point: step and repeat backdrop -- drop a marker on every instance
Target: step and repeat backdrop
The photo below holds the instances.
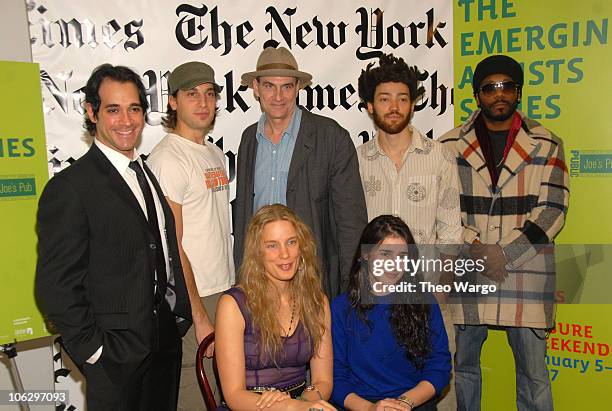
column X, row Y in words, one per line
column 333, row 41
column 562, row 45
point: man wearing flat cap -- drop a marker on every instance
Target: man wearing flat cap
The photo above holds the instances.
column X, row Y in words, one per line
column 514, row 201
column 191, row 172
column 303, row 160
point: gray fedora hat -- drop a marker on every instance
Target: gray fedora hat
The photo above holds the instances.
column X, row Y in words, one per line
column 276, row 63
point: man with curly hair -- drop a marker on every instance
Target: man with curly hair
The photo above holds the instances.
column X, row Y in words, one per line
column 405, row 173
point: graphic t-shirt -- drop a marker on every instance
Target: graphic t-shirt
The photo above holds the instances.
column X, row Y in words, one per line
column 194, row 176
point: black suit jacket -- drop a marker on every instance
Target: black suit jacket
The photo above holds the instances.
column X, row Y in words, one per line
column 96, row 265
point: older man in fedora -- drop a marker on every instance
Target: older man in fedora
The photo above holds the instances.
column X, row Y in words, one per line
column 303, row 160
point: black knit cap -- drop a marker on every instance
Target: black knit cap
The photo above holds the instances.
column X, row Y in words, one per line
column 498, row 64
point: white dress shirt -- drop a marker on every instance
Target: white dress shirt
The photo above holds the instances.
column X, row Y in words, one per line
column 122, row 163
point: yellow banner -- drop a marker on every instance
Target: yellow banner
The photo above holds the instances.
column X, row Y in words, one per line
column 23, row 174
column 563, row 48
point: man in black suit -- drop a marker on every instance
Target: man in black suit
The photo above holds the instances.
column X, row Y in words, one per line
column 108, row 276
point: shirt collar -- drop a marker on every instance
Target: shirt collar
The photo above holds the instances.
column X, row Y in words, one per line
column 182, row 140
column 291, row 128
column 118, row 160
column 415, row 145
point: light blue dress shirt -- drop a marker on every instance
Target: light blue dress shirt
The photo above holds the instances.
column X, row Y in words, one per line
column 272, row 163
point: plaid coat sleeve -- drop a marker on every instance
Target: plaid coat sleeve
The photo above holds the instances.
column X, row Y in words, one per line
column 546, row 219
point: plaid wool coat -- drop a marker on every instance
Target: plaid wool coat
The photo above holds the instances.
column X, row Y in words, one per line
column 526, row 209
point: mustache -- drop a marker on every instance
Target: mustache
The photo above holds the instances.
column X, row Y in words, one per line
column 501, row 100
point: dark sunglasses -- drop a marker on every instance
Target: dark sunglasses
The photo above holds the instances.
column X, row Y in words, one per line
column 506, row 87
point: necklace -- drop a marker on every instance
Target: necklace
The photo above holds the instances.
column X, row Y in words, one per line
column 291, row 321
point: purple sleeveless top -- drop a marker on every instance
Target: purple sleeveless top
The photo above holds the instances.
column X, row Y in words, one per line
column 291, row 362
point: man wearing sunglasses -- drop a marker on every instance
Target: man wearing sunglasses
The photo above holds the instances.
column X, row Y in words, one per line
column 514, row 201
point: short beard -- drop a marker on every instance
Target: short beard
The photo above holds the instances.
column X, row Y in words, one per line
column 488, row 113
column 391, row 129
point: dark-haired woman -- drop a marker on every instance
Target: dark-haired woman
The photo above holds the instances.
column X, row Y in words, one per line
column 386, row 356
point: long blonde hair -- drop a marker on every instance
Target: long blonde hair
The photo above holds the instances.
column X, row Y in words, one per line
column 305, row 287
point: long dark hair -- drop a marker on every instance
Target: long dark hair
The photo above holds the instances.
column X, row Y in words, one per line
column 409, row 322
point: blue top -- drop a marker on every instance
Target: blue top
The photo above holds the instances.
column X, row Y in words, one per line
column 272, row 163
column 372, row 364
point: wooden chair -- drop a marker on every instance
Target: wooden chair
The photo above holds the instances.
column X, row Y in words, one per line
column 207, row 392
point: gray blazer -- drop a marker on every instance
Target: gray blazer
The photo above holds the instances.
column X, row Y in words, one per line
column 323, row 188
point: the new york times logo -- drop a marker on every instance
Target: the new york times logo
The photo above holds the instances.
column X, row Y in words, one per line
column 199, row 27
column 68, row 31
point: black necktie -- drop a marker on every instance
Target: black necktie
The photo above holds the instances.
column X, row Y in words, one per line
column 162, row 280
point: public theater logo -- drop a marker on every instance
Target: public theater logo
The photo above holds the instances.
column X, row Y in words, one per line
column 591, row 163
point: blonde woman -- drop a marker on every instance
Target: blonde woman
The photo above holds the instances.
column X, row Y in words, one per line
column 275, row 324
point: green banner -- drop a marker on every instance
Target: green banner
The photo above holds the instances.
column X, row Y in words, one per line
column 563, row 48
column 23, row 174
